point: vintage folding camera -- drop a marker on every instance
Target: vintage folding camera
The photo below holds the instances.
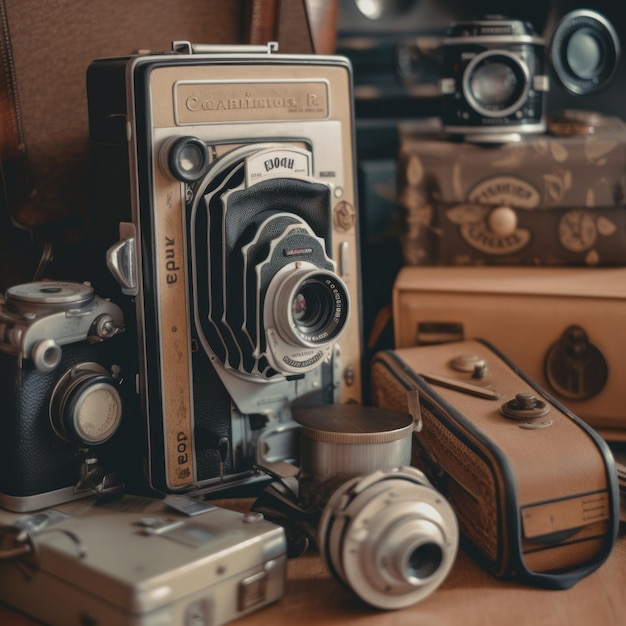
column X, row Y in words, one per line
column 493, row 79
column 139, row 561
column 533, row 487
column 230, row 175
column 63, row 390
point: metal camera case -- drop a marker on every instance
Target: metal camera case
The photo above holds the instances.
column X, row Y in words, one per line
column 231, row 172
column 493, row 79
column 140, row 561
column 62, row 367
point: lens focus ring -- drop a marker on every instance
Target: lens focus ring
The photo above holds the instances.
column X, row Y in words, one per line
column 584, row 51
column 311, row 307
column 496, row 83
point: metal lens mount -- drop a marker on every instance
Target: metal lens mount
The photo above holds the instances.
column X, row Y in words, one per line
column 86, row 407
column 584, row 51
column 496, row 83
column 311, row 307
column 390, row 537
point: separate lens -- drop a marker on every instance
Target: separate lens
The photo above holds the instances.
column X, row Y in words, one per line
column 389, row 536
column 584, row 54
column 496, row 83
column 424, row 561
column 584, row 51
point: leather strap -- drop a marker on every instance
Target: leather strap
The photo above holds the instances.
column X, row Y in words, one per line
column 17, row 190
column 262, row 21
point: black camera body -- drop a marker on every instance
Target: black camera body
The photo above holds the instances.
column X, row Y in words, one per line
column 493, row 79
column 224, row 182
column 62, row 380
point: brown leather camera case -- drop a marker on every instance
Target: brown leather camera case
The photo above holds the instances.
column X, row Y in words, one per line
column 536, row 496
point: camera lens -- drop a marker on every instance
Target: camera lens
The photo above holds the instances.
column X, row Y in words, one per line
column 584, row 51
column 311, row 307
column 496, row 84
column 584, row 54
column 493, row 84
column 389, row 536
column 424, row 561
column 86, row 406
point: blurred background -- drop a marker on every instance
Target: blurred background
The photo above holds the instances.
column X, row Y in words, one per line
column 395, row 49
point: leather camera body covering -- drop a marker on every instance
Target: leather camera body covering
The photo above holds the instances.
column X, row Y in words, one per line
column 534, row 488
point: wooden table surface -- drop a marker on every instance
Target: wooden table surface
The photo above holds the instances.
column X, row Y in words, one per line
column 468, row 597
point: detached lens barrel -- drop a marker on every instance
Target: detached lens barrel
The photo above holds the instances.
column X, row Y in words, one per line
column 585, row 51
column 390, row 537
column 384, row 531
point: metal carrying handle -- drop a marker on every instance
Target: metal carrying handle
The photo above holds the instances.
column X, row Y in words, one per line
column 24, row 550
column 186, row 47
column 23, row 544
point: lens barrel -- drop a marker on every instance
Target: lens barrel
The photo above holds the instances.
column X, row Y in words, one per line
column 390, row 537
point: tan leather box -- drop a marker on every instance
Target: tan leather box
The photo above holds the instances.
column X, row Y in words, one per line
column 564, row 327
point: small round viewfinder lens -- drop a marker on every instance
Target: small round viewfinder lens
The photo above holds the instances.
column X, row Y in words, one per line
column 187, row 159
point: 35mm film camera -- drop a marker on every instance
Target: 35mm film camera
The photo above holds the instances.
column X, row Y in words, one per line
column 230, row 175
column 64, row 394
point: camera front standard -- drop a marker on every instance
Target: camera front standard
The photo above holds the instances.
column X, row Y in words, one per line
column 237, row 248
column 493, row 80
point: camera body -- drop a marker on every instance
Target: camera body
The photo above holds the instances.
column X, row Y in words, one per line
column 225, row 181
column 493, row 79
column 62, row 368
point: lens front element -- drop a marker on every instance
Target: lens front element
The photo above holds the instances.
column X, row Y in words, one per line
column 390, row 537
column 496, row 83
column 306, row 311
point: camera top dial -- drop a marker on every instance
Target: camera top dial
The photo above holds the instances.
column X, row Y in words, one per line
column 49, row 293
column 38, row 318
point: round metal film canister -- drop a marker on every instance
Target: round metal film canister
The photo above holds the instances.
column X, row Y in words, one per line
column 346, row 440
